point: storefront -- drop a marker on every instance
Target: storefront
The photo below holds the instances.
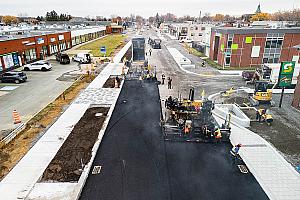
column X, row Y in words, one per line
column 10, row 61
column 85, row 35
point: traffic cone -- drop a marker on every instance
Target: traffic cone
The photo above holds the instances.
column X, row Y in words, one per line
column 16, row 116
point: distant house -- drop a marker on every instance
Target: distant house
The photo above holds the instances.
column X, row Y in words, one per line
column 77, row 19
column 114, row 28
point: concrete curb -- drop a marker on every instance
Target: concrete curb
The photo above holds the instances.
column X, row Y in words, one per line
column 201, row 75
column 239, row 117
column 80, row 184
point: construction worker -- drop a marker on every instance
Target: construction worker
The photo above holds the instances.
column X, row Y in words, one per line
column 169, row 83
column 268, row 119
column 259, row 113
column 117, row 82
column 235, row 152
column 150, row 52
column 163, row 79
column 186, row 129
column 218, row 135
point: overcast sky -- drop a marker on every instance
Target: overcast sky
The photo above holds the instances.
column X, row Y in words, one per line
column 144, row 8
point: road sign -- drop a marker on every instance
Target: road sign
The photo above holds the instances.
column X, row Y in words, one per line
column 285, row 76
column 103, row 49
column 286, row 73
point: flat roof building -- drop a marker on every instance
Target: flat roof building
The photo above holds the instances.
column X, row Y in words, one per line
column 22, row 45
column 251, row 47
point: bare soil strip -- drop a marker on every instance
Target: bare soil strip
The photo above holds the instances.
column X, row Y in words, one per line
column 76, row 151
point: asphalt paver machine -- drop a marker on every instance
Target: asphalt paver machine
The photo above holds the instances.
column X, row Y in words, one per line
column 192, row 120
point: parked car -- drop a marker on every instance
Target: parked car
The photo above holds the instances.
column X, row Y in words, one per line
column 84, row 58
column 13, row 77
column 39, row 65
column 185, row 40
column 62, row 58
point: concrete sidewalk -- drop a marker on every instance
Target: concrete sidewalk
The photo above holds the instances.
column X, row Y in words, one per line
column 276, row 176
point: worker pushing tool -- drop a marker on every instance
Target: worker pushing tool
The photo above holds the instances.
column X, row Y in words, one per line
column 263, row 116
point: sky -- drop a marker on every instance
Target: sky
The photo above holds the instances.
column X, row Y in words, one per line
column 144, row 8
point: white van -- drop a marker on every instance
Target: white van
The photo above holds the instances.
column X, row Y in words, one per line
column 82, row 58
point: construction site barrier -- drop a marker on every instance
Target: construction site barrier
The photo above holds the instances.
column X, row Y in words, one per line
column 7, row 139
column 237, row 115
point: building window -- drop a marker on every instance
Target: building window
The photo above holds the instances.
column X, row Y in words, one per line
column 227, row 60
column 196, row 28
column 273, row 47
column 192, row 34
column 30, row 55
column 202, row 28
column 229, row 40
column 200, row 34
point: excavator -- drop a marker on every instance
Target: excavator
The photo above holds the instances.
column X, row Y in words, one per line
column 262, row 93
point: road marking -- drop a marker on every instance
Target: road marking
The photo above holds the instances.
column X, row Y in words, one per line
column 8, row 88
column 96, row 169
column 243, row 169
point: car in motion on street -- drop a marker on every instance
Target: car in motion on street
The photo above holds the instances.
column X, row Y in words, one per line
column 13, row 77
column 38, row 65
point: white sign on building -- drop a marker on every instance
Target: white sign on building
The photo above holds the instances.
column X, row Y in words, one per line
column 61, row 37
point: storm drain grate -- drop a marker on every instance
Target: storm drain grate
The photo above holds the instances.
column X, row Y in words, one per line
column 96, row 170
column 243, row 169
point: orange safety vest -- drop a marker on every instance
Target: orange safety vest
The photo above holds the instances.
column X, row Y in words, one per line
column 218, row 134
column 186, row 130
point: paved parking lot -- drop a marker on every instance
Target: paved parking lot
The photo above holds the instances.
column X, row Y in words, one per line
column 30, row 97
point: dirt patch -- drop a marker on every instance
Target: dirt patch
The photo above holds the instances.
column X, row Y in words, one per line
column 77, row 149
column 110, row 82
column 238, row 100
column 282, row 135
column 15, row 150
column 251, row 113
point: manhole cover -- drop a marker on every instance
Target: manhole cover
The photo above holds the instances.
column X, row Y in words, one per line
column 243, row 169
column 96, row 170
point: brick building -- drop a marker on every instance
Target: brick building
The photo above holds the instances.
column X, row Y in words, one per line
column 114, row 28
column 21, row 47
column 251, row 47
column 17, row 50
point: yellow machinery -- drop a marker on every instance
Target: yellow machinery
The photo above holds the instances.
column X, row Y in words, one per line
column 264, row 116
column 262, row 93
column 228, row 93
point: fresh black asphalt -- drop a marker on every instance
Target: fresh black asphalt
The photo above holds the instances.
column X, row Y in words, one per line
column 138, row 165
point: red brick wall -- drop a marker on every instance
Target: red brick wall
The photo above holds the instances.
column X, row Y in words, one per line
column 15, row 45
column 242, row 56
column 287, row 51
